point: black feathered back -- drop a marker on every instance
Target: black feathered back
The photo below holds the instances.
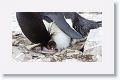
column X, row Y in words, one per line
column 33, row 27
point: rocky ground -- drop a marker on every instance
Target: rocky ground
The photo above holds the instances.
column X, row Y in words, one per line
column 92, row 53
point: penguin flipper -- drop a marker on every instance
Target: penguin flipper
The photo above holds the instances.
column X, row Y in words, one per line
column 59, row 20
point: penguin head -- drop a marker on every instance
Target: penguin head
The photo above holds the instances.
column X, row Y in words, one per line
column 51, row 45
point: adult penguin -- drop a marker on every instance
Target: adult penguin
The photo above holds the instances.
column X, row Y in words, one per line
column 32, row 25
column 83, row 26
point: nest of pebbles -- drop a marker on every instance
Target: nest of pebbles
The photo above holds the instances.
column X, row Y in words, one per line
column 22, row 54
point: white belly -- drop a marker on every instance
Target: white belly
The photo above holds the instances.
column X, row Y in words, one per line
column 61, row 39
